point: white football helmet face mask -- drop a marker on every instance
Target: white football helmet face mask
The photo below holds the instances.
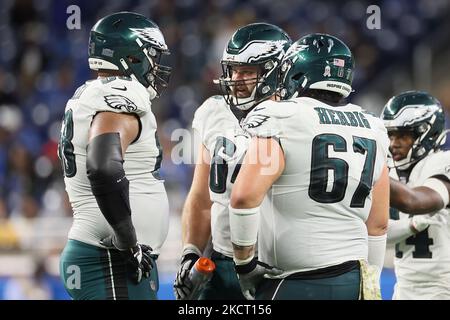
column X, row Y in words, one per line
column 258, row 45
column 238, row 85
column 244, row 103
column 404, row 163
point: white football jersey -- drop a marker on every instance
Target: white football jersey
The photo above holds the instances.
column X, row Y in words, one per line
column 148, row 198
column 422, row 261
column 333, row 157
column 227, row 143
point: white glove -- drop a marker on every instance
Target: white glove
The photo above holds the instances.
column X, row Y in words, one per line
column 182, row 286
column 421, row 222
column 251, row 274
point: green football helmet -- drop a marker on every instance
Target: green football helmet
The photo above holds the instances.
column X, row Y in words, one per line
column 422, row 115
column 133, row 44
column 257, row 44
column 317, row 61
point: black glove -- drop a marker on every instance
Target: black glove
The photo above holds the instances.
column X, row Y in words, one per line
column 251, row 274
column 138, row 257
column 183, row 286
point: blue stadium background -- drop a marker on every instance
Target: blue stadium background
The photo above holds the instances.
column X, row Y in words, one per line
column 42, row 62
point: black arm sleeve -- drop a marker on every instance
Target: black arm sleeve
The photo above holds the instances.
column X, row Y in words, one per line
column 104, row 165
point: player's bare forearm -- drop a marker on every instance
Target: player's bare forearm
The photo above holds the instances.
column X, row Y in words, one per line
column 419, row 200
column 399, row 195
column 196, row 221
column 196, row 216
column 243, row 252
column 263, row 165
column 377, row 222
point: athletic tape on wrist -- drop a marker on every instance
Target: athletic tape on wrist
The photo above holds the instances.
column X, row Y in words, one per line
column 191, row 248
column 244, row 224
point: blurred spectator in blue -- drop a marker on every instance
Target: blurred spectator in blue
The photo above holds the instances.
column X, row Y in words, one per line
column 35, row 288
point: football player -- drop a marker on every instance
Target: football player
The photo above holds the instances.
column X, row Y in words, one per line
column 327, row 182
column 111, row 157
column 250, row 67
column 420, row 188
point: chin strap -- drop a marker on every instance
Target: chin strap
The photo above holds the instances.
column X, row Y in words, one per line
column 150, row 90
column 404, row 163
column 244, row 103
column 442, row 138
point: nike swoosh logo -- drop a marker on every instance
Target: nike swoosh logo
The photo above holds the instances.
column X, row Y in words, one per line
column 257, row 109
column 121, row 89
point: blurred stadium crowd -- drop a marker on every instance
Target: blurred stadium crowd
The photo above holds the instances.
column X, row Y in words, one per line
column 42, row 63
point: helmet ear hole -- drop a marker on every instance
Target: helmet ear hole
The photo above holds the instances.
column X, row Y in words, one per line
column 133, row 60
column 298, row 76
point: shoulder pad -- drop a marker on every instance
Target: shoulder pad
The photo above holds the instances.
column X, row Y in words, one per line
column 120, row 95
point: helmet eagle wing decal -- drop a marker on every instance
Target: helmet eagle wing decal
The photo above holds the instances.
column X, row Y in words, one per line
column 151, row 35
